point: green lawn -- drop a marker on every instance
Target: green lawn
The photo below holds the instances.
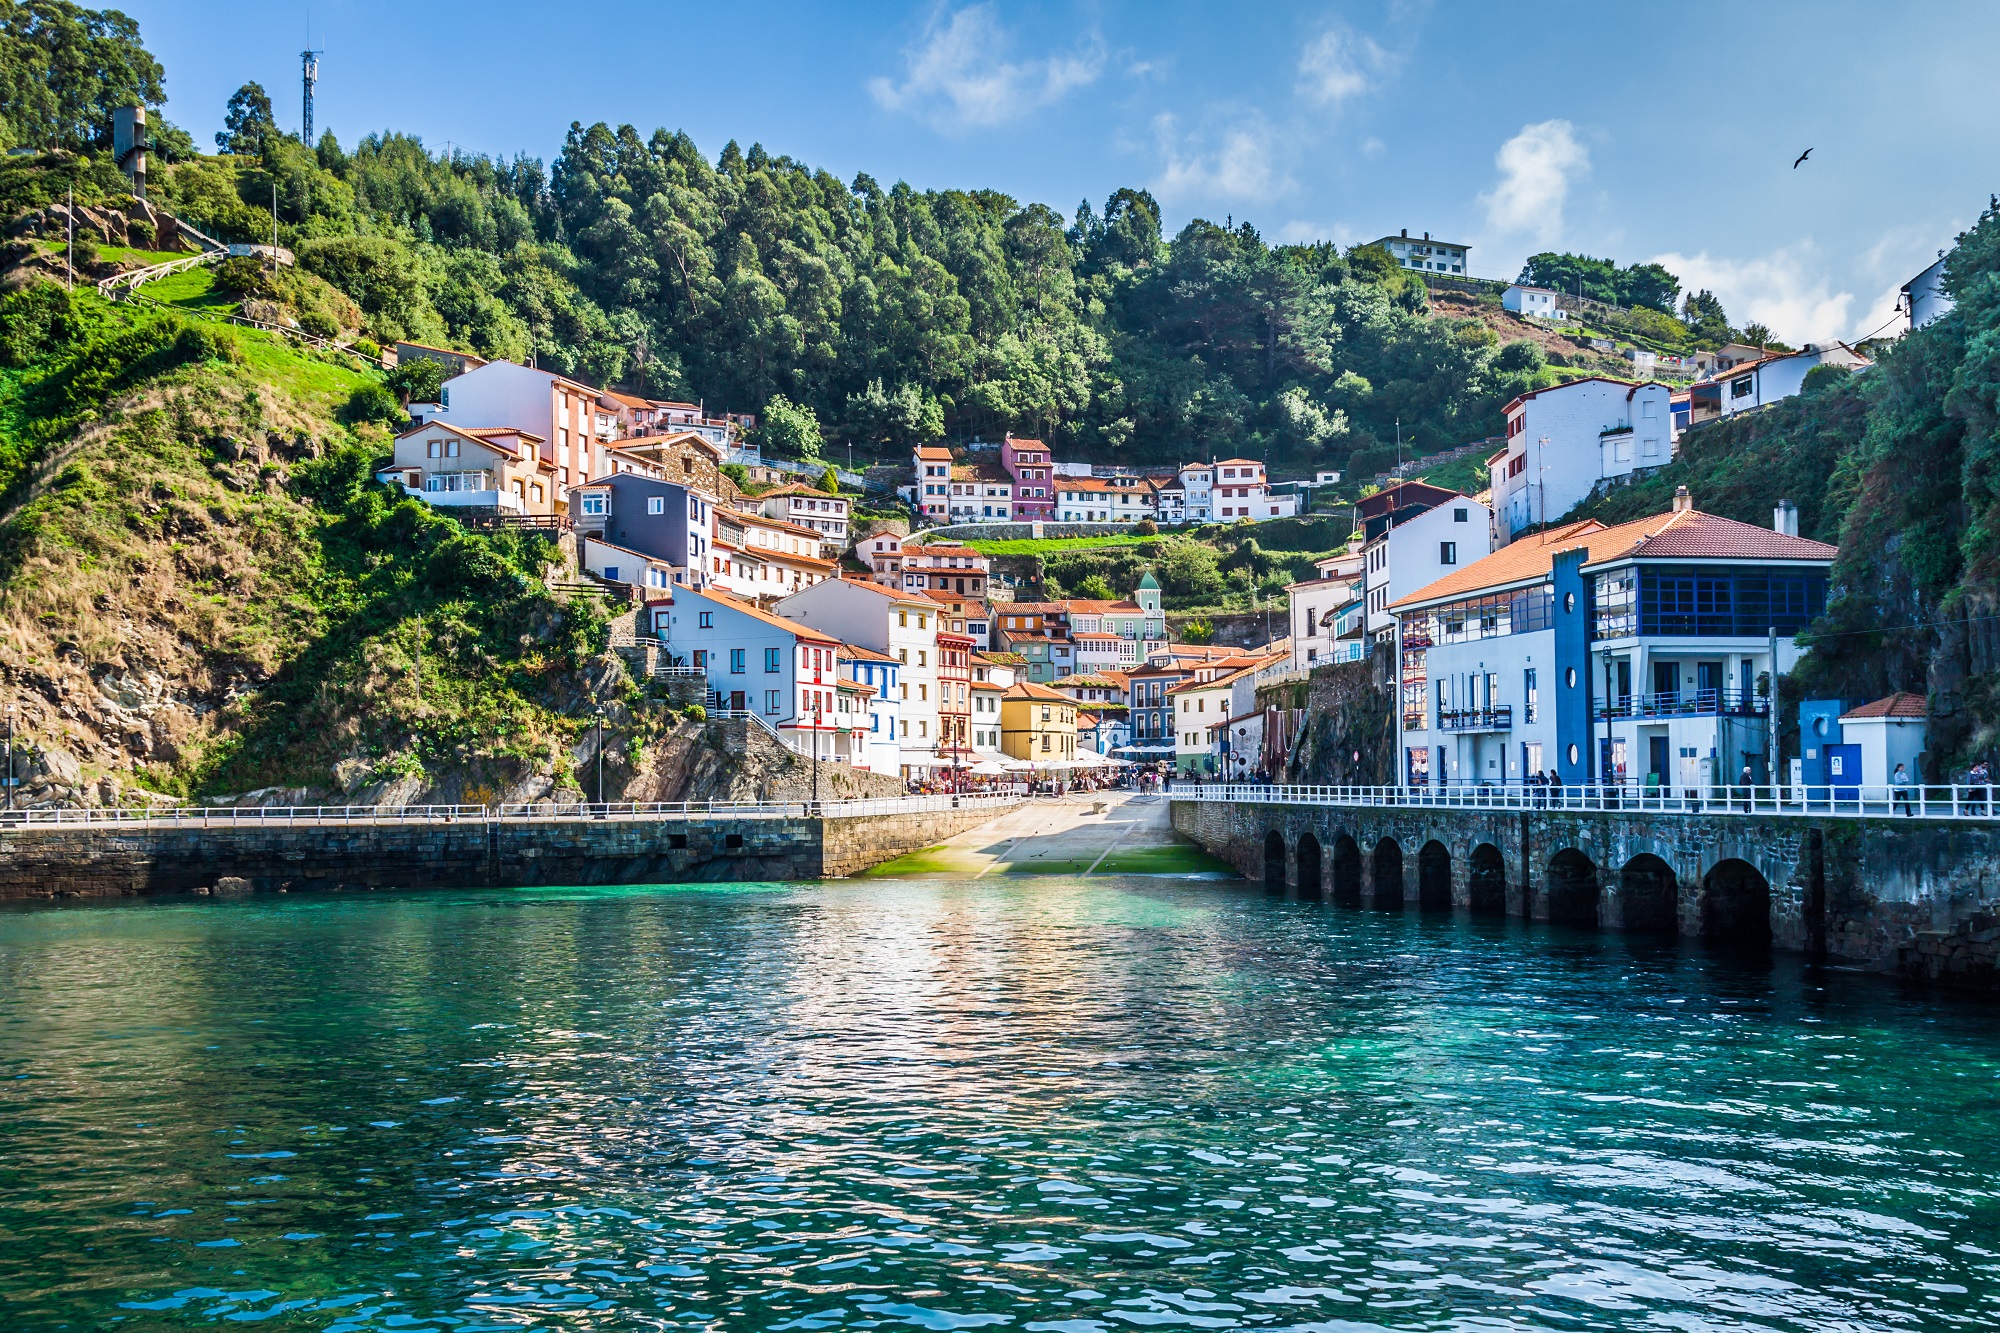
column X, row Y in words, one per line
column 112, row 254
column 191, row 287
column 318, row 379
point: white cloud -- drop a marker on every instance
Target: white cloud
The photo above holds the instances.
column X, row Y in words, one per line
column 1239, row 165
column 1786, row 290
column 1339, row 64
column 954, row 77
column 1537, row 167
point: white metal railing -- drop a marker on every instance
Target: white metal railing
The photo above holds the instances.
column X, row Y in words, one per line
column 229, row 816
column 1914, row 801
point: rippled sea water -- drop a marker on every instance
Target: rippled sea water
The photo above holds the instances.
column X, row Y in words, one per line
column 1039, row 1104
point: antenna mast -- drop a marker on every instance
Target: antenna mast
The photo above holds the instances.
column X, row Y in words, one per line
column 309, row 67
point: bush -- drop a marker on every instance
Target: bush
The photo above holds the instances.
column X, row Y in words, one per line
column 695, row 713
column 1145, row 527
column 246, row 277
column 318, row 324
column 372, row 402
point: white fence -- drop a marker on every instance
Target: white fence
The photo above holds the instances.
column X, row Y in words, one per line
column 230, row 816
column 1914, row 801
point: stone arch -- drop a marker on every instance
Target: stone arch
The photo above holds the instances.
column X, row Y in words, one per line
column 1310, row 883
column 1434, row 877
column 1572, row 888
column 1736, row 907
column 1649, row 896
column 1274, row 861
column 1388, row 873
column 1346, row 871
column 1489, row 880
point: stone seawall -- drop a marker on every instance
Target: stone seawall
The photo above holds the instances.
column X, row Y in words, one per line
column 94, row 862
column 1921, row 899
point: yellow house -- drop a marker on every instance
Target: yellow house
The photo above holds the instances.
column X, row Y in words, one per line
column 1038, row 724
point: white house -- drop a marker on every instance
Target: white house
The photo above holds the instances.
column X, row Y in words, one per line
column 1631, row 654
column 1426, row 254
column 1565, row 441
column 807, row 507
column 1170, row 498
column 1241, row 490
column 1887, row 732
column 1924, row 298
column 1418, row 548
column 785, row 672
column 754, row 556
column 1115, row 499
column 903, row 626
column 1768, row 379
column 1328, row 616
column 577, row 424
column 881, row 750
column 1197, row 487
column 942, row 567
column 1532, row 302
column 933, row 493
column 981, row 493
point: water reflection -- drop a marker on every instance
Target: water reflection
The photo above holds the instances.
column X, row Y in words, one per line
column 1048, row 1105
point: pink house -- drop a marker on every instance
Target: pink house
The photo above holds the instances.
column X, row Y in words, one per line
column 1033, row 471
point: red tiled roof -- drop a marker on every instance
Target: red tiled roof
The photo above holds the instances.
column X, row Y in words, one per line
column 1686, row 534
column 1901, row 706
column 933, row 452
column 751, row 609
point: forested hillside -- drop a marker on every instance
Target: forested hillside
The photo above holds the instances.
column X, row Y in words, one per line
column 1901, row 466
column 893, row 314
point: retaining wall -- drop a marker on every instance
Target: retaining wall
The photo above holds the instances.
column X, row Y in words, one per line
column 76, row 861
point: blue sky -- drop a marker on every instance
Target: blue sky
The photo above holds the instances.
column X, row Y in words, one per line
column 1635, row 131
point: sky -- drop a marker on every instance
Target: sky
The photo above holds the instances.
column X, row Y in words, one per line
column 1634, row 132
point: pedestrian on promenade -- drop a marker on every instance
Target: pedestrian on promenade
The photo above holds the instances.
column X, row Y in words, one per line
column 1979, row 779
column 1901, row 779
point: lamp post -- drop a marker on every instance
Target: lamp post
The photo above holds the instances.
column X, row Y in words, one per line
column 10, row 755
column 1604, row 754
column 816, row 719
column 598, row 717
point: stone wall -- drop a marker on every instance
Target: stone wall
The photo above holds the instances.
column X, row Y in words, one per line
column 52, row 861
column 1885, row 894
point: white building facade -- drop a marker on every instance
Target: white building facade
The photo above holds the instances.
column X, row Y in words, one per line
column 1419, row 551
column 901, row 626
column 1564, row 442
column 1638, row 654
column 1531, row 302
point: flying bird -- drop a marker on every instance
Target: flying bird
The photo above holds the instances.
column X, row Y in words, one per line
column 1802, row 157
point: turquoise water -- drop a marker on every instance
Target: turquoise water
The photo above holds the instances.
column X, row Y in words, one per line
column 1048, row 1105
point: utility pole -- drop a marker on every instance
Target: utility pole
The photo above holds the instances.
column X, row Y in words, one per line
column 418, row 674
column 816, row 717
column 10, row 754
column 274, row 224
column 1771, row 714
column 69, row 233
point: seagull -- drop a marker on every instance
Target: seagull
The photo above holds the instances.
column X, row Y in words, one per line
column 1802, row 157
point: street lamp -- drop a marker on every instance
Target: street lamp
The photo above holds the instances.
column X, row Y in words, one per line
column 816, row 720
column 10, row 755
column 599, row 717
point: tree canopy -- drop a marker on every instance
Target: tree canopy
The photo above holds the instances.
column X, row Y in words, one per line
column 1602, row 280
column 64, row 69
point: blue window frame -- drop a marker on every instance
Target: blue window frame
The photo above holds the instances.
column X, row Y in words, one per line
column 735, row 661
column 773, row 660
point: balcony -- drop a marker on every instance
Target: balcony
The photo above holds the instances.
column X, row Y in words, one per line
column 1687, row 703
column 1498, row 718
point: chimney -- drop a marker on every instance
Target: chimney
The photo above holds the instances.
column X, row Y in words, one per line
column 1406, row 233
column 1785, row 519
column 1683, row 502
column 128, row 145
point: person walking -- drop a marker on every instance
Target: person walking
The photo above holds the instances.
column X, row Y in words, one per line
column 1979, row 779
column 1901, row 779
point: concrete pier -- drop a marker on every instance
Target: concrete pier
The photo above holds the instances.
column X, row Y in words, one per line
column 1921, row 898
column 109, row 860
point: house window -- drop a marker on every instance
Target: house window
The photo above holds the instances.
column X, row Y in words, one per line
column 772, row 660
column 656, row 504
column 593, row 505
column 611, row 573
column 1447, row 553
column 1458, row 515
column 707, row 620
column 771, row 703
column 701, row 659
column 736, row 661
column 1740, row 388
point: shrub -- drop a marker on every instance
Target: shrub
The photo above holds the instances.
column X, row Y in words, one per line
column 245, row 276
column 372, row 402
column 319, row 325
column 695, row 713
column 1145, row 527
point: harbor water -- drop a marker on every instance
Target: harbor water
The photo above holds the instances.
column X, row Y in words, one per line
column 1012, row 1102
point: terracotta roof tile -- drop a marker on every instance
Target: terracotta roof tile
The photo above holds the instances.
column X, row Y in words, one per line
column 1900, row 707
column 1686, row 535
